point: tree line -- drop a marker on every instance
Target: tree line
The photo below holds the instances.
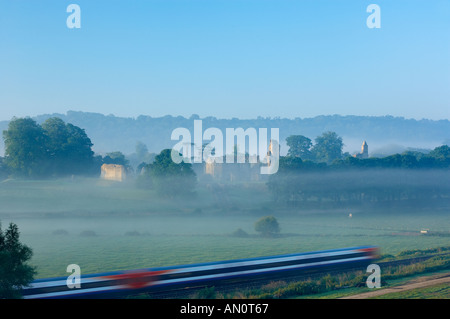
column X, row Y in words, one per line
column 327, row 148
column 320, row 173
column 58, row 149
column 111, row 132
column 327, row 153
column 53, row 149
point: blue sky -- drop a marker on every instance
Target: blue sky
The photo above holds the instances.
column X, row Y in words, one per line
column 226, row 58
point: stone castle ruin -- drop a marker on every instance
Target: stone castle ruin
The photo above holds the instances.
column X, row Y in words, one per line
column 113, row 172
column 364, row 151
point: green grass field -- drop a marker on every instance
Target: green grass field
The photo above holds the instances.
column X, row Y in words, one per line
column 135, row 229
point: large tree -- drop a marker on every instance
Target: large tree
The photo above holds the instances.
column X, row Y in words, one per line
column 3, row 169
column 26, row 148
column 69, row 148
column 328, row 147
column 51, row 149
column 15, row 273
column 79, row 149
column 267, row 226
column 169, row 178
column 299, row 146
column 116, row 157
column 441, row 153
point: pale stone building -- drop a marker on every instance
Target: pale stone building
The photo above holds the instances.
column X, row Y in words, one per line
column 113, row 172
column 364, row 151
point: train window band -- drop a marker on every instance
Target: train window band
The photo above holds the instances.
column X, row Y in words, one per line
column 258, row 266
column 98, row 285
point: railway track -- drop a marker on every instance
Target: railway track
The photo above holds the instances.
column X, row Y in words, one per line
column 183, row 281
column 188, row 292
column 174, row 281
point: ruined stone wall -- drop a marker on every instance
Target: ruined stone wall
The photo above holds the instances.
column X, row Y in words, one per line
column 113, row 172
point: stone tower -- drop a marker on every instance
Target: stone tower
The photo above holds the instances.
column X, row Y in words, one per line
column 364, row 150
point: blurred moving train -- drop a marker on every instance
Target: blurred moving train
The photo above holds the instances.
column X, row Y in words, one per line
column 123, row 283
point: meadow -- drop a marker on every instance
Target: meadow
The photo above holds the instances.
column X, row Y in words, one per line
column 107, row 226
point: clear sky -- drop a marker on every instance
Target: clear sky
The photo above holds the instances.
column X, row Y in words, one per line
column 226, row 58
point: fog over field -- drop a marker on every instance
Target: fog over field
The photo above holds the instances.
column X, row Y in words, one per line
column 162, row 133
column 105, row 226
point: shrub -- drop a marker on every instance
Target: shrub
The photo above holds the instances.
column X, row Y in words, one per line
column 240, row 233
column 88, row 233
column 132, row 233
column 60, row 232
column 267, row 226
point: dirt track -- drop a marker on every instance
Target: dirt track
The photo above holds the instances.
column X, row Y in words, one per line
column 421, row 282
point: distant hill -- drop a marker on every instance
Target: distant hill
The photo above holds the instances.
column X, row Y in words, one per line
column 384, row 134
